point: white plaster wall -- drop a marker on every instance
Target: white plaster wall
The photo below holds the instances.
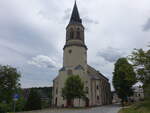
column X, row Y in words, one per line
column 76, row 57
column 60, row 81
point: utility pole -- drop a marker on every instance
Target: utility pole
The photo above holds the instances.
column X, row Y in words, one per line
column 14, row 106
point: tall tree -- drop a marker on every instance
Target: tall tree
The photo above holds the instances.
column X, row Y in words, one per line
column 141, row 63
column 33, row 101
column 74, row 88
column 9, row 83
column 124, row 78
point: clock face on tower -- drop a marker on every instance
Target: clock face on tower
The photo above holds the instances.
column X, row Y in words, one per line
column 70, row 51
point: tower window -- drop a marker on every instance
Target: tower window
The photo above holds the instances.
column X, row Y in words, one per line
column 78, row 34
column 71, row 34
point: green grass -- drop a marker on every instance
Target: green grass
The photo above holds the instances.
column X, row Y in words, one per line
column 141, row 107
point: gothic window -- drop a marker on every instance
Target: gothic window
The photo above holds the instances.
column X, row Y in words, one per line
column 71, row 34
column 69, row 72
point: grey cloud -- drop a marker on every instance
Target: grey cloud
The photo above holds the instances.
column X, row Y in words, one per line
column 67, row 14
column 24, row 39
column 32, row 28
column 44, row 61
column 110, row 54
column 37, row 76
column 85, row 19
column 146, row 26
column 88, row 20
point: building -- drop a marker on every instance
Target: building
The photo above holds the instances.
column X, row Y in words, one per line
column 115, row 98
column 138, row 93
column 75, row 63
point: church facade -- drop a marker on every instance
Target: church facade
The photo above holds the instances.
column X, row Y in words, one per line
column 75, row 63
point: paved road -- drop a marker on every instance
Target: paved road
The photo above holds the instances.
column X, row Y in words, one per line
column 102, row 109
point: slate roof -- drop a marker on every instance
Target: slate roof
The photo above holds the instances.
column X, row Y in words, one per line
column 75, row 17
column 94, row 74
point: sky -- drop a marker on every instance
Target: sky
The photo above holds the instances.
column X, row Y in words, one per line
column 32, row 34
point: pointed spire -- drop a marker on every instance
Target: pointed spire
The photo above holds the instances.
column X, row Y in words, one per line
column 75, row 17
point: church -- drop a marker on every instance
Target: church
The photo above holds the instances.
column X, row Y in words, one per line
column 75, row 63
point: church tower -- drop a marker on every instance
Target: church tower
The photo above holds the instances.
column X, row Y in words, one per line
column 96, row 85
column 75, row 50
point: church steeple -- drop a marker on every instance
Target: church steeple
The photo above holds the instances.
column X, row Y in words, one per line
column 75, row 30
column 75, row 17
column 75, row 50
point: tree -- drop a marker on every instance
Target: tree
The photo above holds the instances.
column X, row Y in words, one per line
column 33, row 101
column 9, row 84
column 141, row 63
column 124, row 78
column 74, row 88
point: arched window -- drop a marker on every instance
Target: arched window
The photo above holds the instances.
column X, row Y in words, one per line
column 67, row 35
column 78, row 34
column 71, row 33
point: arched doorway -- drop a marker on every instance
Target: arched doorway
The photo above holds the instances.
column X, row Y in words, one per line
column 86, row 102
column 56, row 101
column 69, row 103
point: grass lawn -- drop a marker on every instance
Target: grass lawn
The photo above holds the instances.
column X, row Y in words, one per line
column 141, row 107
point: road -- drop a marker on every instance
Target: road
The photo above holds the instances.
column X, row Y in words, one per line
column 102, row 109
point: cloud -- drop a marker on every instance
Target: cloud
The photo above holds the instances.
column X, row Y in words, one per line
column 146, row 26
column 44, row 62
column 32, row 34
column 88, row 20
column 85, row 19
column 67, row 14
column 110, row 54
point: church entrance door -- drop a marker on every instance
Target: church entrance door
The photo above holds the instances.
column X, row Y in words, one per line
column 86, row 102
column 56, row 102
column 69, row 103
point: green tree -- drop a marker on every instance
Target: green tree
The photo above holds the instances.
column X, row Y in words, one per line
column 33, row 101
column 124, row 78
column 9, row 84
column 20, row 103
column 74, row 88
column 141, row 63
